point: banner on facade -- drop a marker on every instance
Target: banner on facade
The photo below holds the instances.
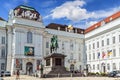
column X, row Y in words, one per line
column 19, row 64
column 29, row 51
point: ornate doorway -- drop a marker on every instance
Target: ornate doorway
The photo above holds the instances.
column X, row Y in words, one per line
column 29, row 68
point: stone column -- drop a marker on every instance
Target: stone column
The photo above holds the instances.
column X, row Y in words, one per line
column 13, row 51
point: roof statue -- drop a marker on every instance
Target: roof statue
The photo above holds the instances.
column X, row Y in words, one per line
column 27, row 12
column 70, row 27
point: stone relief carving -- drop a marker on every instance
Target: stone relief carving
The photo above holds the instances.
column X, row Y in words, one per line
column 33, row 15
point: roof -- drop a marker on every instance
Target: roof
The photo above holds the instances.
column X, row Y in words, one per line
column 26, row 7
column 2, row 19
column 55, row 55
column 63, row 28
column 106, row 20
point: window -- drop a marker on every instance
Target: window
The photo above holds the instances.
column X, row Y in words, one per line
column 89, row 56
column 89, row 47
column 79, row 47
column 107, row 41
column 3, row 40
column 97, row 66
column 93, row 56
column 102, row 42
column 2, row 66
column 113, row 39
column 114, row 66
column 93, row 45
column 71, row 46
column 108, row 66
column 119, row 51
column 47, row 44
column 63, row 45
column 3, row 52
column 71, row 56
column 29, row 37
column 93, row 67
column 79, row 57
column 114, row 53
column 119, row 38
column 97, row 44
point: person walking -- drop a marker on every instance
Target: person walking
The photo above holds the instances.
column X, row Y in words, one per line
column 18, row 75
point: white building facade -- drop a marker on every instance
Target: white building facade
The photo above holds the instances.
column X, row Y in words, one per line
column 2, row 44
column 27, row 42
column 102, row 42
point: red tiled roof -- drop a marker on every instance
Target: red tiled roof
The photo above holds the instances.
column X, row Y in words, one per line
column 106, row 20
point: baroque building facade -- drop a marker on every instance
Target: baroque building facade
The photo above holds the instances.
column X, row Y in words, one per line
column 25, row 42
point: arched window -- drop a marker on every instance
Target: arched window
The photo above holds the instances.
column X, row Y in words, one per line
column 29, row 37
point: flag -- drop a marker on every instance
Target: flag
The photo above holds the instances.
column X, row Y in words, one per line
column 109, row 52
column 103, row 54
column 98, row 55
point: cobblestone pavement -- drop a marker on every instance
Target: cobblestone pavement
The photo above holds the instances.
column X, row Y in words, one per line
column 24, row 77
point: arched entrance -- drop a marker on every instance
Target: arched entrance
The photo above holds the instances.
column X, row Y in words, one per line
column 29, row 68
column 72, row 68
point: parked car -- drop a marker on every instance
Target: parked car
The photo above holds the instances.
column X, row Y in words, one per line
column 7, row 73
column 1, row 73
column 113, row 74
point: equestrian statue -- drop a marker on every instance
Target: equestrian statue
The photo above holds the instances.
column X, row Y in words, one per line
column 54, row 44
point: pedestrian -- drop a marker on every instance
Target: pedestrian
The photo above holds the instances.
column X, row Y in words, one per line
column 18, row 75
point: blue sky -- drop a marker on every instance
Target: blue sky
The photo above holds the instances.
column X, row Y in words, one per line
column 79, row 13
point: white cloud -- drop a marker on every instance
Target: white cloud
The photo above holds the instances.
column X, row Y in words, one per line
column 74, row 11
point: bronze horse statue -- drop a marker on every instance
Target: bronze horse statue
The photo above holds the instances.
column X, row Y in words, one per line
column 54, row 43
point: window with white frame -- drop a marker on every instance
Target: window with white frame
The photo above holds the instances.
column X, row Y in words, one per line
column 93, row 45
column 102, row 42
column 119, row 38
column 108, row 66
column 71, row 46
column 2, row 66
column 114, row 52
column 97, row 44
column 79, row 57
column 79, row 47
column 119, row 51
column 3, row 40
column 93, row 67
column 47, row 44
column 29, row 37
column 113, row 40
column 3, row 52
column 89, row 46
column 63, row 45
column 71, row 56
column 89, row 56
column 114, row 66
column 108, row 41
column 97, row 66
